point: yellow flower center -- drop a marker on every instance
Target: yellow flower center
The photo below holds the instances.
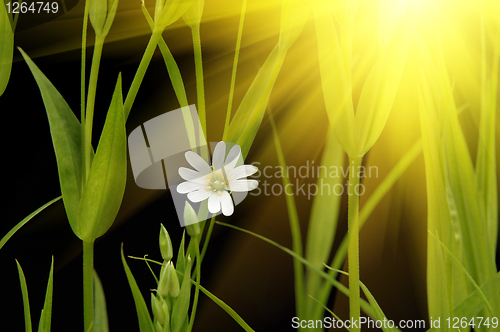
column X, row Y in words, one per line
column 216, row 182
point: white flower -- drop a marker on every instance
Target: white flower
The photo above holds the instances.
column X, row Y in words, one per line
column 217, row 182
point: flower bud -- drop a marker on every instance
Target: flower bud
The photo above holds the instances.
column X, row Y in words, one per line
column 166, row 249
column 157, row 307
column 169, row 282
column 191, row 220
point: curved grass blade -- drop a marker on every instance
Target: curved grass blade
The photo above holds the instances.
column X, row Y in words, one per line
column 46, row 316
column 364, row 305
column 25, row 220
column 100, row 311
column 6, row 47
column 26, row 302
column 65, row 130
column 474, row 303
column 145, row 323
column 323, row 222
column 103, row 191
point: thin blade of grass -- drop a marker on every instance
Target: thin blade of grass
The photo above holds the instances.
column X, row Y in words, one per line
column 181, row 305
column 26, row 302
column 294, row 224
column 323, row 221
column 46, row 316
column 65, row 130
column 145, row 323
column 343, row 289
column 103, row 191
column 100, row 311
column 6, row 47
column 327, row 309
column 474, row 303
column 25, row 220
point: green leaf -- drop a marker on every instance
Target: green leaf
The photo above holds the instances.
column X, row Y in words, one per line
column 335, row 80
column 474, row 303
column 181, row 304
column 103, row 192
column 172, row 11
column 26, row 302
column 6, row 48
column 46, row 316
column 248, row 117
column 192, row 16
column 324, row 218
column 145, row 323
column 98, row 10
column 113, row 5
column 65, row 130
column 381, row 86
column 181, row 257
column 294, row 14
column 100, row 311
column 25, row 220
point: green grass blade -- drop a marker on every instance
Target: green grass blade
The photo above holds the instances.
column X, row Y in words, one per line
column 323, row 220
column 103, row 192
column 181, row 305
column 335, row 78
column 6, row 47
column 466, row 273
column 343, row 289
column 26, row 302
column 248, row 117
column 25, row 220
column 294, row 224
column 237, row 318
column 66, row 137
column 145, row 323
column 327, row 309
column 474, row 303
column 381, row 86
column 379, row 314
column 46, row 316
column 293, row 18
column 100, row 311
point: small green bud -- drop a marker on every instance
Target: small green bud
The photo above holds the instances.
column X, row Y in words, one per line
column 158, row 327
column 157, row 307
column 191, row 220
column 165, row 245
column 169, row 282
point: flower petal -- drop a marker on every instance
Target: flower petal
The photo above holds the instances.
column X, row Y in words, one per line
column 241, row 172
column 214, row 203
column 198, row 163
column 243, row 185
column 232, row 157
column 187, row 186
column 227, row 204
column 191, row 175
column 218, row 156
column 199, row 195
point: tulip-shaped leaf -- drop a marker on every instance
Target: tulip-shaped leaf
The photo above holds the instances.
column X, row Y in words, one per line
column 46, row 316
column 172, row 11
column 250, row 113
column 98, row 10
column 65, row 130
column 294, row 14
column 381, row 86
column 181, row 304
column 192, row 17
column 335, row 79
column 103, row 191
column 6, row 48
column 112, row 7
column 145, row 323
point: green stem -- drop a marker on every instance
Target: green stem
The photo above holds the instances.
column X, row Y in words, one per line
column 141, row 71
column 200, row 86
column 353, row 233
column 207, row 238
column 88, row 285
column 198, row 281
column 89, row 117
column 82, row 84
column 235, row 66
